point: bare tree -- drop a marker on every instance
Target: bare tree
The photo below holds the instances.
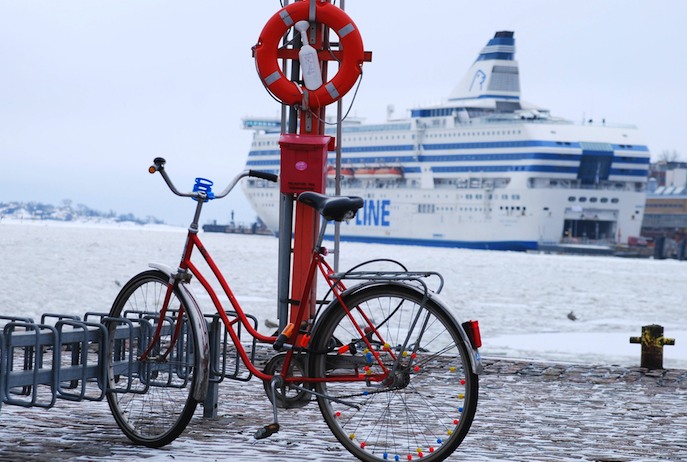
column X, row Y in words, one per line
column 669, row 156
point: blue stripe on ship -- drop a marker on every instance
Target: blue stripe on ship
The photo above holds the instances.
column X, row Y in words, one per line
column 393, row 147
column 519, row 246
column 521, row 144
column 472, row 157
column 468, row 145
column 572, row 170
column 533, row 168
column 522, row 156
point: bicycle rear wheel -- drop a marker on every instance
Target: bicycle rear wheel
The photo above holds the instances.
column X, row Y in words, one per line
column 424, row 406
column 151, row 400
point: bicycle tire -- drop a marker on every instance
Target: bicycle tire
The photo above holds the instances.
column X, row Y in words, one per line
column 422, row 411
column 151, row 401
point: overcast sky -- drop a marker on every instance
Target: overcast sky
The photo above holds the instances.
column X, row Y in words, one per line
column 91, row 91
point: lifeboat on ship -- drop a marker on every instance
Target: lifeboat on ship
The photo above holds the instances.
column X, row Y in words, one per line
column 346, row 173
column 387, row 173
column 365, row 173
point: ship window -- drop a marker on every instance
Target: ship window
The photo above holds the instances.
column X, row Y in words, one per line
column 614, row 200
column 593, row 199
column 571, row 199
column 426, row 208
column 604, row 200
column 583, row 199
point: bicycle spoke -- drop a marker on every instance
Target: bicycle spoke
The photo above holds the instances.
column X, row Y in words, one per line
column 152, row 374
column 416, row 393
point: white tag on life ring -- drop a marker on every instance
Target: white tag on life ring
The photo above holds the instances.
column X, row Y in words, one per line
column 310, row 64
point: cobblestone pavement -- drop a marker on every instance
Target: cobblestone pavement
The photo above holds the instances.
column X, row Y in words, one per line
column 528, row 411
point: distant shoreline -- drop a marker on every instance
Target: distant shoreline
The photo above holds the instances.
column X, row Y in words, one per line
column 109, row 224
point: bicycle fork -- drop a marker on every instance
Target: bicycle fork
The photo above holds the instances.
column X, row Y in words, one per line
column 196, row 322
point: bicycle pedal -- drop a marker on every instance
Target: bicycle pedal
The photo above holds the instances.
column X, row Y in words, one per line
column 266, row 431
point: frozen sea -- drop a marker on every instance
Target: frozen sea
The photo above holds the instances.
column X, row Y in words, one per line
column 520, row 299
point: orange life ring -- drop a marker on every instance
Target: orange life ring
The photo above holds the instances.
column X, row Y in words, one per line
column 353, row 54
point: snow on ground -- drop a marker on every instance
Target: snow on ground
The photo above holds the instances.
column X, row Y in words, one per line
column 521, row 300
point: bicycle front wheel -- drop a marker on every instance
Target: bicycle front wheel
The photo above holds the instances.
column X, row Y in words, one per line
column 150, row 398
column 399, row 381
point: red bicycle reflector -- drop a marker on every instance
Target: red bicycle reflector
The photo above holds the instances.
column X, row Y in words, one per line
column 472, row 330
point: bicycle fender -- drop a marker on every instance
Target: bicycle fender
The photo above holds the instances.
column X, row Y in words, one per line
column 202, row 342
column 162, row 267
column 475, row 358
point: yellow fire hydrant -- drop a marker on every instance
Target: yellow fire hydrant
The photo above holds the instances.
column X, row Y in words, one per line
column 652, row 341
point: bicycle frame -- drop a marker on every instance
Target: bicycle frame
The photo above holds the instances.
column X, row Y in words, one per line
column 299, row 340
column 317, row 263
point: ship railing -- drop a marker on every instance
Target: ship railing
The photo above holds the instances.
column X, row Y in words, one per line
column 557, row 183
column 507, row 119
column 584, row 241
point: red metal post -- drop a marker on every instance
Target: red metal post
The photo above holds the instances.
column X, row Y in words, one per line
column 303, row 168
column 307, row 221
column 311, row 118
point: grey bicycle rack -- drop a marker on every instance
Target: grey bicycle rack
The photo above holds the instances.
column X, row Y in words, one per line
column 63, row 357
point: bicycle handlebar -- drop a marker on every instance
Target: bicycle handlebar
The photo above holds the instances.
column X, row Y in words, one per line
column 264, row 175
column 202, row 190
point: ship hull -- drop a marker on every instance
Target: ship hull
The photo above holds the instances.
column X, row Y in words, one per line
column 444, row 218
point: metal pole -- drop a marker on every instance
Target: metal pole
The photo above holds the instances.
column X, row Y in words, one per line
column 286, row 215
column 337, row 173
column 284, row 255
column 337, row 183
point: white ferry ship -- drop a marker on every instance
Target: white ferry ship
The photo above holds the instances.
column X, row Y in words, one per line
column 482, row 170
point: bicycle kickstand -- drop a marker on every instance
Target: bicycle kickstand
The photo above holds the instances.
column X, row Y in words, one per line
column 271, row 429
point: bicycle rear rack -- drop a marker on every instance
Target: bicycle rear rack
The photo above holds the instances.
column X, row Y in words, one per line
column 382, row 275
column 41, row 362
column 390, row 276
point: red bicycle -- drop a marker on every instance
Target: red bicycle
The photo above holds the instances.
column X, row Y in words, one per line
column 394, row 375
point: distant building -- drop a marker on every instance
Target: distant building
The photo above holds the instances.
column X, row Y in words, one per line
column 665, row 214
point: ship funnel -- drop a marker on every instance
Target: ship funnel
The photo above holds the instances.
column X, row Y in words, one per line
column 494, row 74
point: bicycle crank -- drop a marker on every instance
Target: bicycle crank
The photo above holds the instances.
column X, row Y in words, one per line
column 287, row 396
